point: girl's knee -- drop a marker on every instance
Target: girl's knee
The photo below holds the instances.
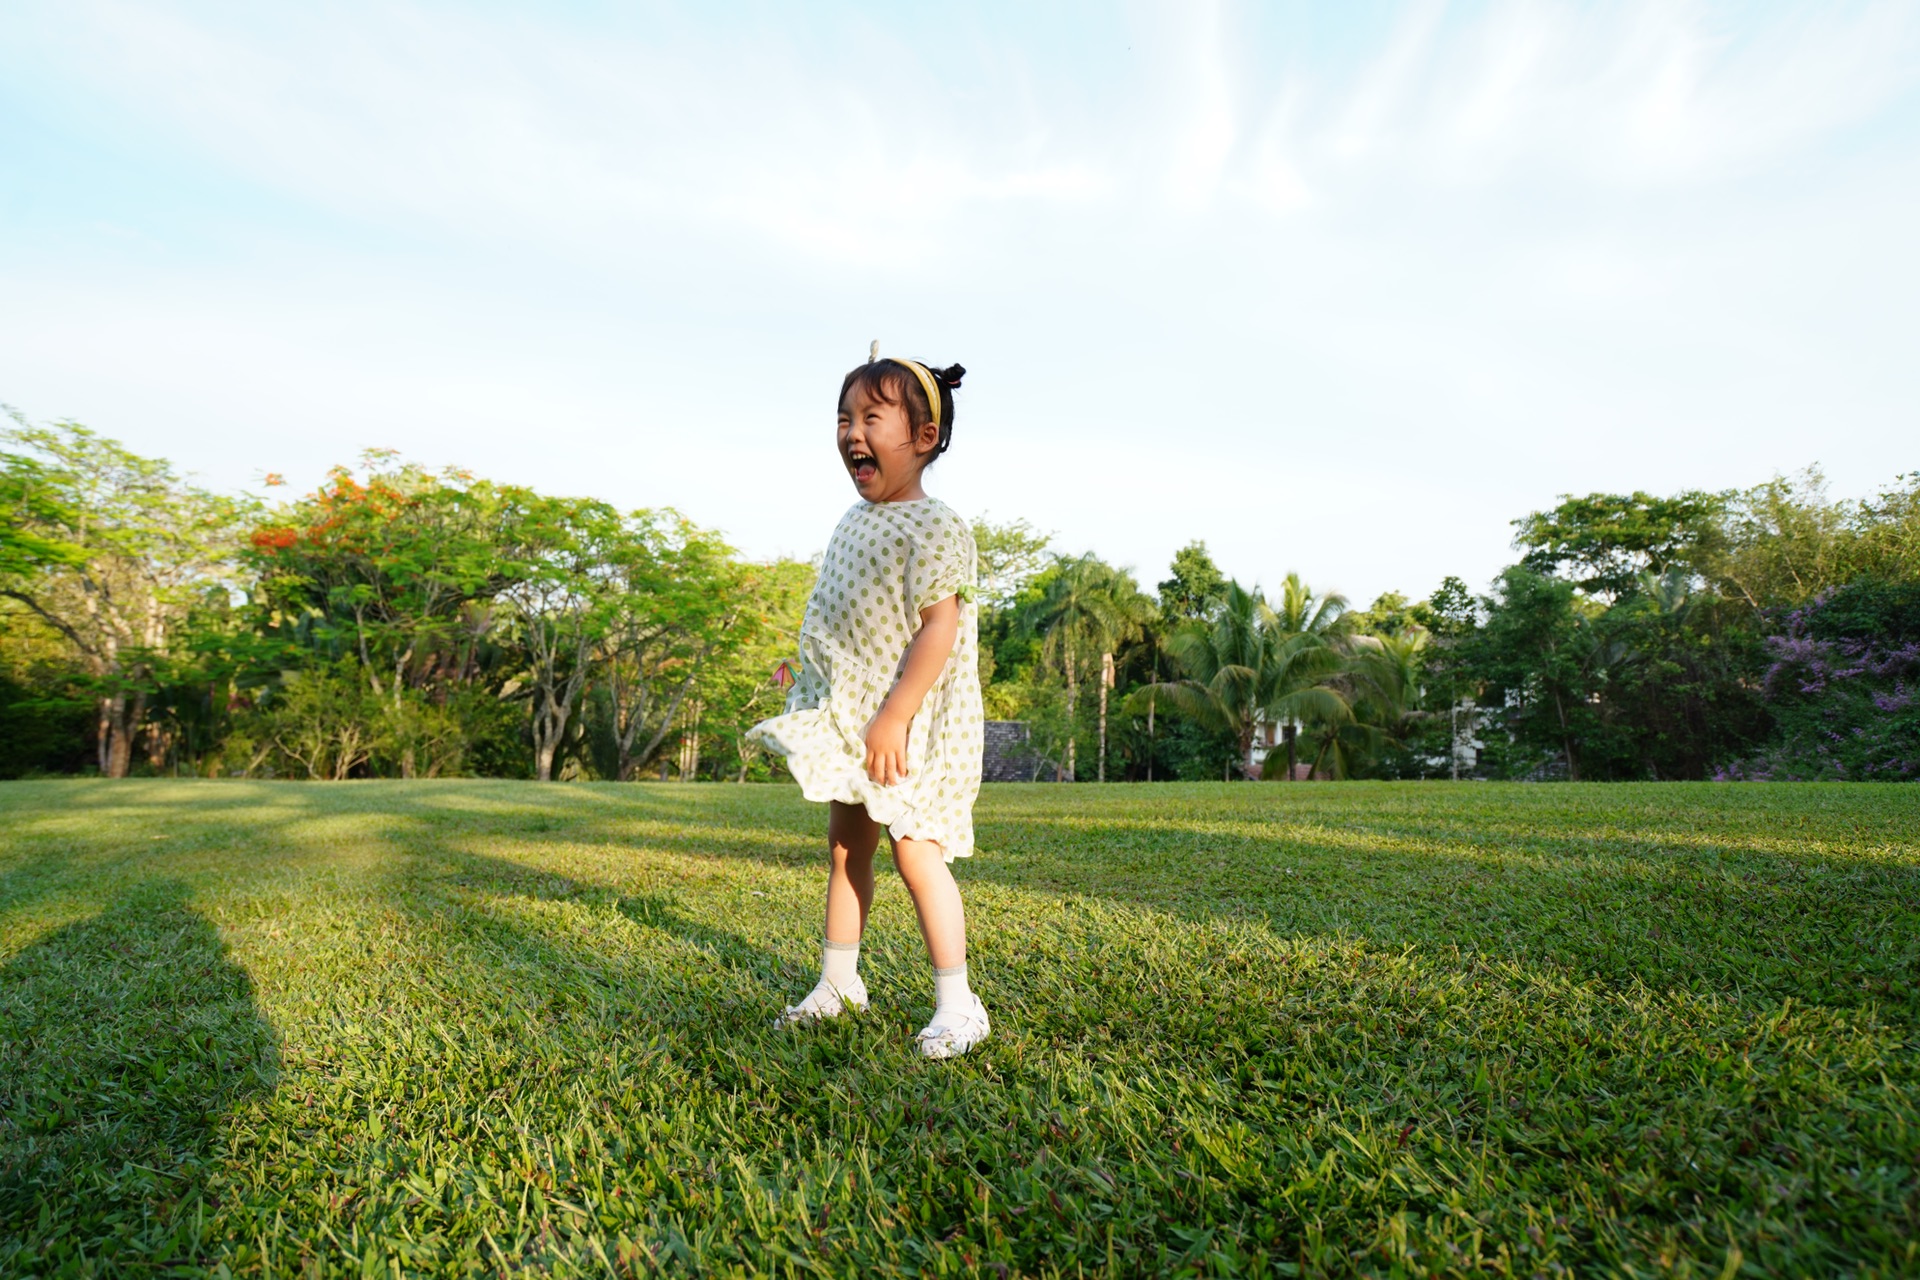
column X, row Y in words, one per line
column 842, row 853
column 918, row 860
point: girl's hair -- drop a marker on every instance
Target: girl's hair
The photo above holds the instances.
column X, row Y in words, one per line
column 892, row 382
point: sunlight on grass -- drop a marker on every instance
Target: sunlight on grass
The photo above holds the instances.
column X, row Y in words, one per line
column 459, row 1027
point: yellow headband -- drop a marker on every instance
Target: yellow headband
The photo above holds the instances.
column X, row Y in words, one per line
column 926, row 381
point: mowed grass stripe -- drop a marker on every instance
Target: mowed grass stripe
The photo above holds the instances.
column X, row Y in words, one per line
column 449, row 1028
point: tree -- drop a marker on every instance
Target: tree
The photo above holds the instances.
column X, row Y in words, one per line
column 1390, row 614
column 678, row 601
column 1195, row 589
column 1542, row 658
column 1784, row 542
column 1302, row 612
column 1133, row 616
column 1246, row 667
column 563, row 601
column 109, row 550
column 1085, row 610
column 410, row 573
column 1010, row 556
column 1381, row 681
column 1681, row 686
column 745, row 685
column 1843, row 686
column 1603, row 542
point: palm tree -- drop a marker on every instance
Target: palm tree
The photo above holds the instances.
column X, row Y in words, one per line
column 1086, row 608
column 1303, row 613
column 1381, row 682
column 1133, row 613
column 1247, row 666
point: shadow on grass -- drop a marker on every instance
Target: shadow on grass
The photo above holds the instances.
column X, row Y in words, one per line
column 1713, row 890
column 124, row 1040
column 554, row 1002
column 1720, row 902
column 501, row 877
column 1364, row 1039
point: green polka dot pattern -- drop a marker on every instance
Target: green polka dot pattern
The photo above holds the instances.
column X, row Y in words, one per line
column 886, row 563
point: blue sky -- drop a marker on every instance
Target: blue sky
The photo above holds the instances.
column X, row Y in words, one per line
column 1341, row 288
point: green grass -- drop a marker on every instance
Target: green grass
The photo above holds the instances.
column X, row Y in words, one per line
column 448, row 1028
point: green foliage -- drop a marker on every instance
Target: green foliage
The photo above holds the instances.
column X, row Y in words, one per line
column 1642, row 653
column 42, row 729
column 1679, row 694
column 1844, row 688
column 1603, row 542
column 1661, row 683
column 1011, row 554
column 1196, row 589
column 1542, row 658
column 1188, row 749
column 681, row 611
column 1081, row 612
column 327, row 723
column 34, row 510
column 499, row 630
column 1254, row 663
column 1390, row 614
column 495, row 1028
column 110, row 552
column 1785, row 541
column 740, row 687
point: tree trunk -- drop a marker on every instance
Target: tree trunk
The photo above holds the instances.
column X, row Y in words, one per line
column 1150, row 738
column 119, row 720
column 1288, row 733
column 626, row 723
column 1106, row 669
column 1073, row 707
column 1566, row 740
column 690, row 744
column 1325, row 746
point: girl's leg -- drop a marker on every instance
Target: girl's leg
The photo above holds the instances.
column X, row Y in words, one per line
column 851, row 839
column 959, row 1019
column 943, row 921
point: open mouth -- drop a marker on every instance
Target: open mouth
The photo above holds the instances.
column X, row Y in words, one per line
column 863, row 466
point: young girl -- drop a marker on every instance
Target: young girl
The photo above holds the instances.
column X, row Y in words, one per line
column 884, row 720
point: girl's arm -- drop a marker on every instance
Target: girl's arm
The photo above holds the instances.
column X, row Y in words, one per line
column 887, row 732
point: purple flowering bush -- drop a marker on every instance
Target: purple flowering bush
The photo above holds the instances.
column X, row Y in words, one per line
column 1843, row 685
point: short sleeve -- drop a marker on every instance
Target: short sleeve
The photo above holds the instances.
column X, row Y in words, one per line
column 943, row 563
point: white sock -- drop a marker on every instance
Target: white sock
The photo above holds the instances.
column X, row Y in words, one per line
column 838, row 964
column 950, row 989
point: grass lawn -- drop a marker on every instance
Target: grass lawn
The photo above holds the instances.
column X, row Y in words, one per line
column 444, row 1028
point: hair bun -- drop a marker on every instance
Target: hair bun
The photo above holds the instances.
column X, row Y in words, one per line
column 952, row 374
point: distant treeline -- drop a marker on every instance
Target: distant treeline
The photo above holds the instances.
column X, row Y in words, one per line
column 399, row 622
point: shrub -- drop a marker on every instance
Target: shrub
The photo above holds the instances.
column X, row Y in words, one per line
column 1844, row 688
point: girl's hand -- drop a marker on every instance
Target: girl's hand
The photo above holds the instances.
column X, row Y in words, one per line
column 886, row 738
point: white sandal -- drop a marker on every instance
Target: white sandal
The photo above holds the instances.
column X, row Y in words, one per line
column 825, row 1001
column 952, row 1033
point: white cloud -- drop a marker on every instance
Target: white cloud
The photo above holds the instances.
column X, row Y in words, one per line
column 1217, row 279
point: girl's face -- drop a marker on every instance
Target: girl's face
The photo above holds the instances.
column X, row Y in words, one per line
column 882, row 453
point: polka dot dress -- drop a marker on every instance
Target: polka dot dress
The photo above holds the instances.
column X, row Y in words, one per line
column 886, row 562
